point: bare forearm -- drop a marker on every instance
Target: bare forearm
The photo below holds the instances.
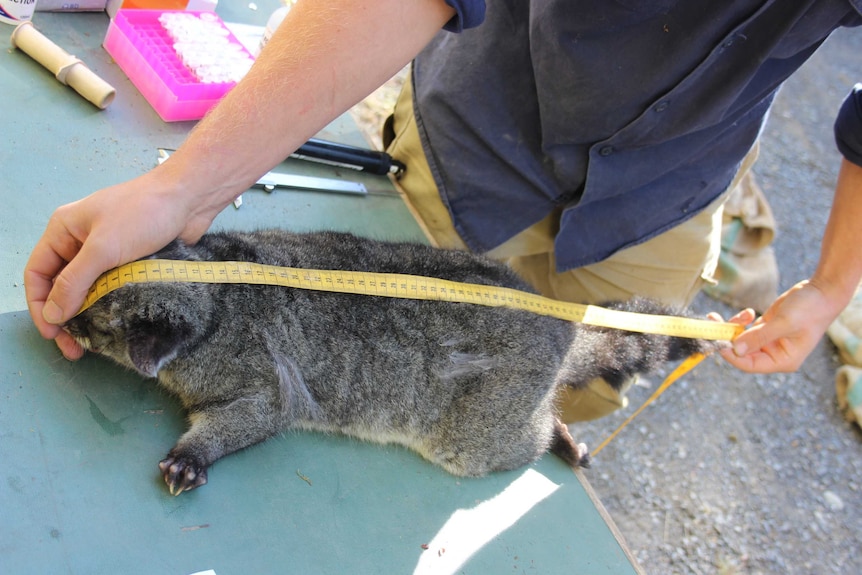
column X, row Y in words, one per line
column 840, row 268
column 784, row 336
column 325, row 57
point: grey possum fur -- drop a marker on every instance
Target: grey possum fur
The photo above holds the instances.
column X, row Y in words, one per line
column 469, row 387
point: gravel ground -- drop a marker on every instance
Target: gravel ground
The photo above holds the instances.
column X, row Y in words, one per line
column 732, row 473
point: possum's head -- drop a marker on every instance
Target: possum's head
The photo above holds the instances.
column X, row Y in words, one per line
column 144, row 326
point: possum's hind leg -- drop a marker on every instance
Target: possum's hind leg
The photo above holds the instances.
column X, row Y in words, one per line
column 563, row 446
column 496, row 427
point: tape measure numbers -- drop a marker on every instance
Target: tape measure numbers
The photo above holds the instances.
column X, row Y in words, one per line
column 400, row 286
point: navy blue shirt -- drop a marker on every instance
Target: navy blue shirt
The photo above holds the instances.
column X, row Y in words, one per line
column 631, row 116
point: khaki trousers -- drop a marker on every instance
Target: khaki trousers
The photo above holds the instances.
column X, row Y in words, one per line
column 671, row 267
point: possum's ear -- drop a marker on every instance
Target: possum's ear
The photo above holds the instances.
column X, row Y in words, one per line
column 151, row 346
column 163, row 319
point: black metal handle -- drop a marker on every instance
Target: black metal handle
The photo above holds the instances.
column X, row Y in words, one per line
column 370, row 161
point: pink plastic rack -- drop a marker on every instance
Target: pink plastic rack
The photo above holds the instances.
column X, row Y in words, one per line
column 144, row 51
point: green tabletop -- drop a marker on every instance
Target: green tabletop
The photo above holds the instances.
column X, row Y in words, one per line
column 79, row 442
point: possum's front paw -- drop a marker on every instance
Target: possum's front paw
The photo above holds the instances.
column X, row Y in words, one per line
column 182, row 473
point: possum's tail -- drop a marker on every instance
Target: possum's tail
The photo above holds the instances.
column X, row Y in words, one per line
column 617, row 355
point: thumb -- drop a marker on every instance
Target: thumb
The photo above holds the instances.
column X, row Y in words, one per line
column 753, row 338
column 765, row 347
column 72, row 284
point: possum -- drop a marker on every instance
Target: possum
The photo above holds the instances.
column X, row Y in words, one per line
column 469, row 387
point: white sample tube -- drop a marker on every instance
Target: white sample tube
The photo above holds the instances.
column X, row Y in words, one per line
column 68, row 69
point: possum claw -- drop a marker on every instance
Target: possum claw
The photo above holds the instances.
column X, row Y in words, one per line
column 181, row 474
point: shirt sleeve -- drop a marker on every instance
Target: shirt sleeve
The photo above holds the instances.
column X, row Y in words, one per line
column 469, row 14
column 848, row 126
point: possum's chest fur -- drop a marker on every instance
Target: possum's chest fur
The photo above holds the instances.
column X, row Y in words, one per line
column 379, row 373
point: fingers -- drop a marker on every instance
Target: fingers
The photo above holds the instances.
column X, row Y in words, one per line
column 59, row 273
column 778, row 341
column 779, row 355
column 73, row 282
column 56, row 247
column 99, row 232
column 70, row 348
column 762, row 348
column 744, row 317
column 747, row 318
column 37, row 286
column 56, row 280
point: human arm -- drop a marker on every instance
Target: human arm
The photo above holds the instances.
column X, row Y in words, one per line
column 790, row 328
column 795, row 322
column 322, row 59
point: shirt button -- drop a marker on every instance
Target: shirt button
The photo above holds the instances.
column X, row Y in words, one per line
column 606, row 151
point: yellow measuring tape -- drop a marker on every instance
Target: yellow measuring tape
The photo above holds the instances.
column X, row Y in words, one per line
column 400, row 286
column 416, row 287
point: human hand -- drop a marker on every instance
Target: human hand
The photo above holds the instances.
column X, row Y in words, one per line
column 83, row 239
column 781, row 339
column 309, row 73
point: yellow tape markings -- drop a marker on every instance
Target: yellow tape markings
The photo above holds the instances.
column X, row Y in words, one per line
column 401, row 286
